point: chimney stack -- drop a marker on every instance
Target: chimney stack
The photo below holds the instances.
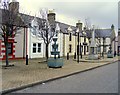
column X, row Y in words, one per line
column 14, row 7
column 79, row 25
column 51, row 18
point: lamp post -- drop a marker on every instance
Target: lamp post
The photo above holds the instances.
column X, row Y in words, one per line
column 80, row 34
column 77, row 31
column 75, row 46
column 99, row 47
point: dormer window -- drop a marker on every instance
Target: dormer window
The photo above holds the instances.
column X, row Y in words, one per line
column 35, row 27
column 34, row 31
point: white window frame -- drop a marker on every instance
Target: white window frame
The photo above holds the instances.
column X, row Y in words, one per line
column 39, row 47
column 33, row 48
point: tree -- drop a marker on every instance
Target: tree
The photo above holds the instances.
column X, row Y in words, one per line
column 47, row 29
column 11, row 22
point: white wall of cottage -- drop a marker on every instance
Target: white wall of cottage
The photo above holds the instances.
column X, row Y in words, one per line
column 34, row 39
column 20, row 50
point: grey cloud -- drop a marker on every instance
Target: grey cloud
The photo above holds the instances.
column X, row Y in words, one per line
column 100, row 13
column 104, row 13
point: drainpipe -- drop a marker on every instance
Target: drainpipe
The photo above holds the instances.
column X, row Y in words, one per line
column 24, row 44
column 26, row 30
column 114, row 46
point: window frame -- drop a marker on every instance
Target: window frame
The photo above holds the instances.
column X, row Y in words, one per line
column 34, row 47
column 39, row 48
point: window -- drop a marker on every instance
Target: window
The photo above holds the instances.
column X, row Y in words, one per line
column 87, row 49
column 70, row 37
column 70, row 48
column 39, row 47
column 98, row 49
column 34, row 47
column 10, row 48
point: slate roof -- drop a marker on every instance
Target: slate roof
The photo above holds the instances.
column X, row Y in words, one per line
column 104, row 32
column 25, row 20
column 100, row 33
column 64, row 28
column 8, row 17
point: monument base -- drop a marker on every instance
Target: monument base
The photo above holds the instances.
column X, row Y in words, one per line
column 92, row 57
column 55, row 63
column 110, row 55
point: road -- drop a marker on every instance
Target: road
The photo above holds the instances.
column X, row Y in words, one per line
column 101, row 80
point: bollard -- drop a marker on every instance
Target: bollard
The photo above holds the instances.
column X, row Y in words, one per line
column 81, row 55
column 114, row 53
column 26, row 59
column 75, row 55
column 58, row 55
column 67, row 56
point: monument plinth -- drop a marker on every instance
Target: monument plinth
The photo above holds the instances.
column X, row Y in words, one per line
column 110, row 54
column 56, row 61
column 93, row 48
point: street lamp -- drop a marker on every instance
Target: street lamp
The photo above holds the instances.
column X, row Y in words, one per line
column 80, row 34
column 79, row 50
column 77, row 31
column 75, row 46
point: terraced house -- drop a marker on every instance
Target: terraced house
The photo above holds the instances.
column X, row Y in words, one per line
column 29, row 42
column 105, row 38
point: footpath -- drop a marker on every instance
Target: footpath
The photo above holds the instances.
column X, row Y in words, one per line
column 21, row 75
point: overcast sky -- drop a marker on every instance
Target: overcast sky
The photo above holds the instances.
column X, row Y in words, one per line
column 100, row 13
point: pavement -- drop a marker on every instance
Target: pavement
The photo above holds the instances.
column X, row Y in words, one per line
column 100, row 80
column 36, row 72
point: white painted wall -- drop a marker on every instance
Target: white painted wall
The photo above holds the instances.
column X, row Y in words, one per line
column 19, row 38
column 107, row 42
column 33, row 39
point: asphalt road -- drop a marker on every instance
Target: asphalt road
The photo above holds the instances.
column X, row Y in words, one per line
column 101, row 80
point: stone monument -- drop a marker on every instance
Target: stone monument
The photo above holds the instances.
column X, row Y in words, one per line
column 110, row 53
column 93, row 48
